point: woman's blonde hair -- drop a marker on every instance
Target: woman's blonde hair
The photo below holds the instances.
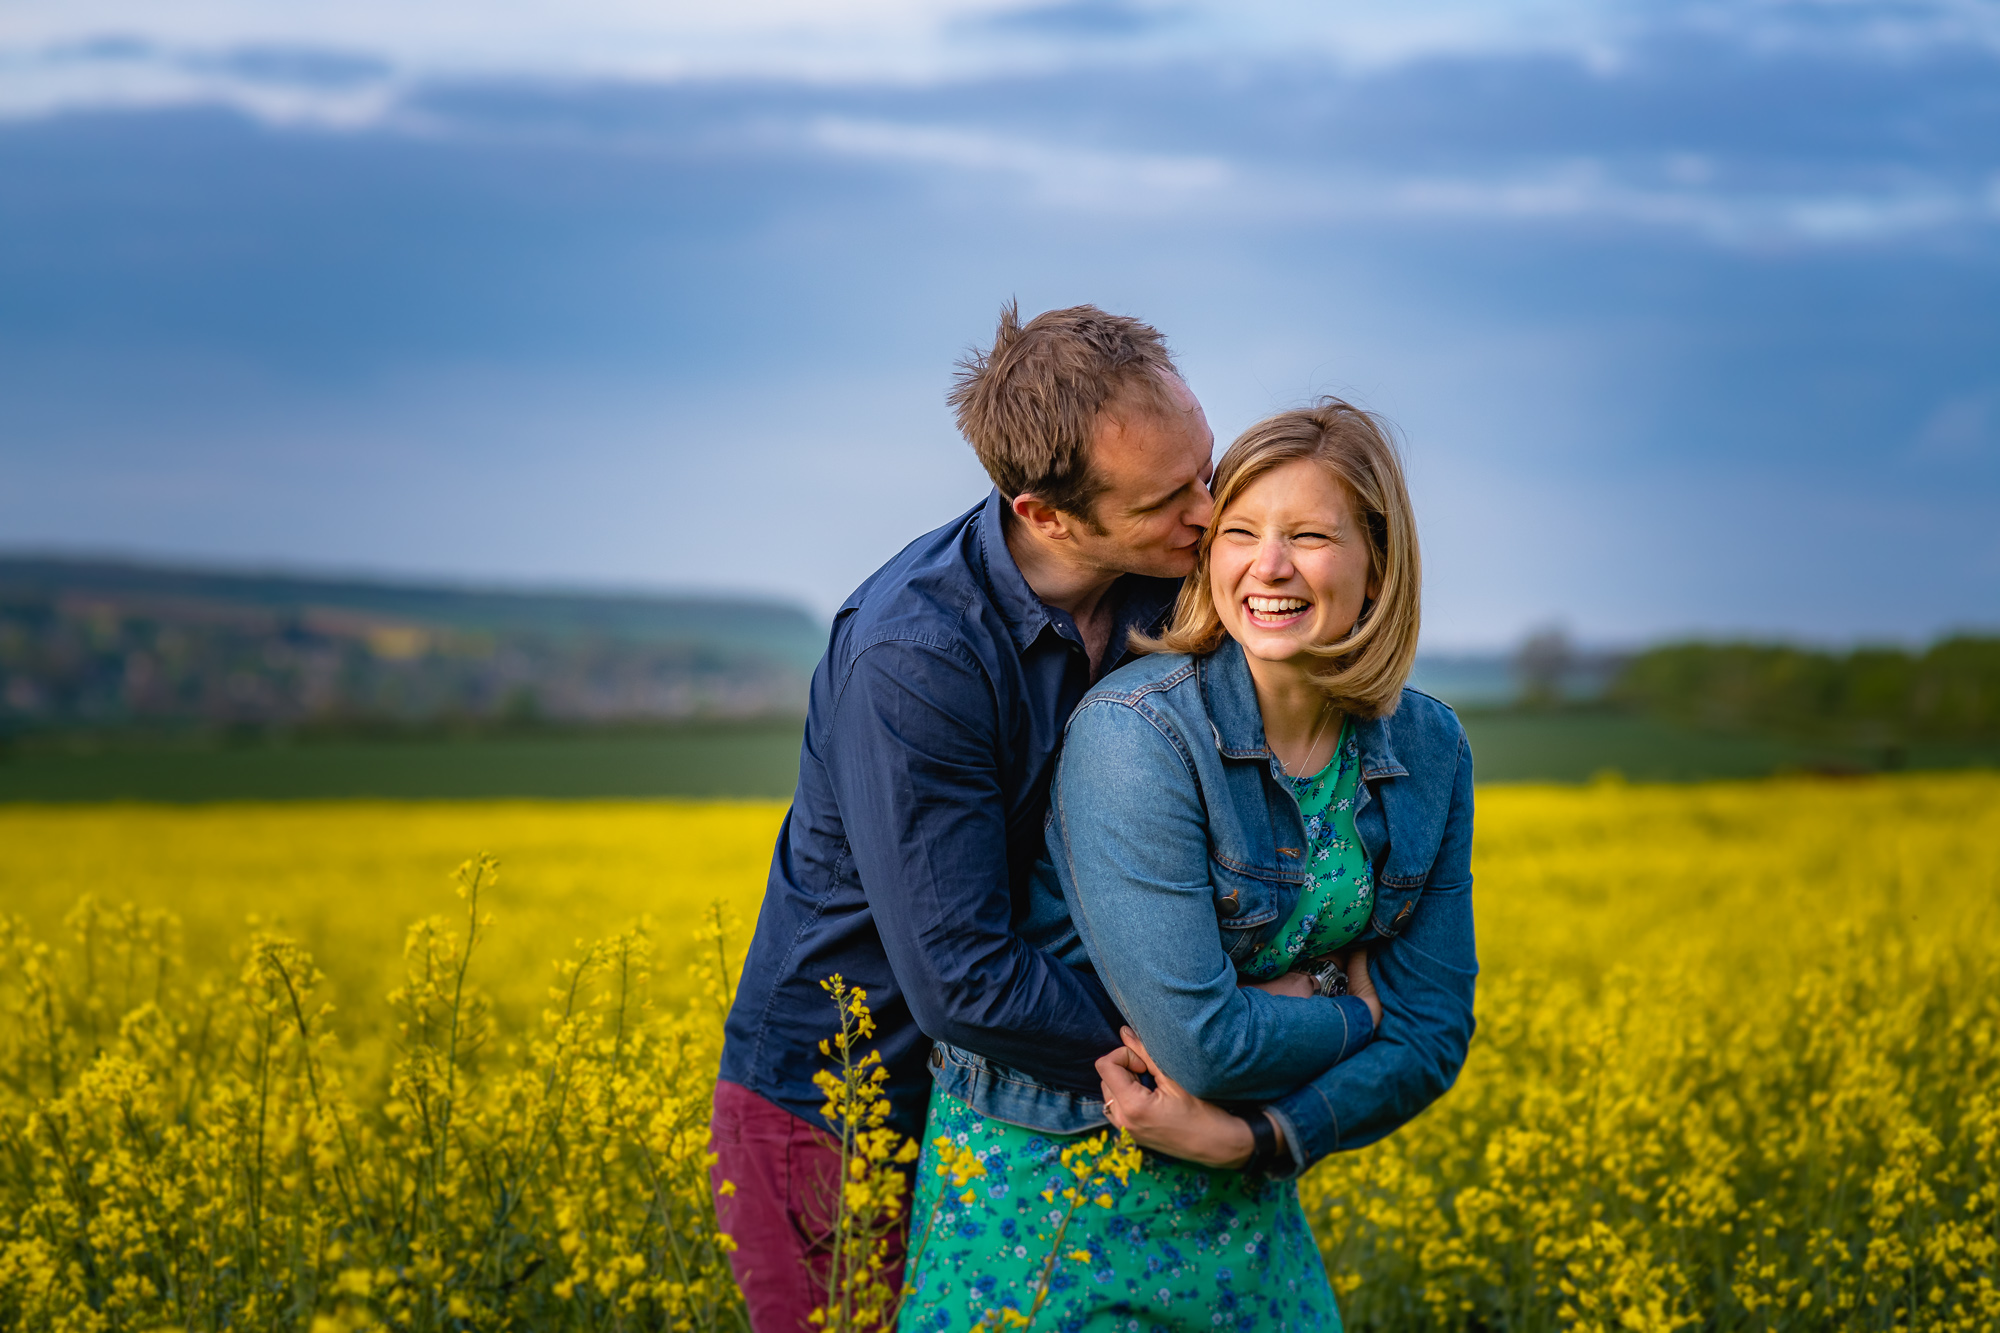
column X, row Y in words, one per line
column 1364, row 672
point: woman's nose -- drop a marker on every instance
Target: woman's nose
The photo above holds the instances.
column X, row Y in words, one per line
column 1274, row 561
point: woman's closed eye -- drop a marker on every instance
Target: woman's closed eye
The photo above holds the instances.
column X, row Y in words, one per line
column 1311, row 537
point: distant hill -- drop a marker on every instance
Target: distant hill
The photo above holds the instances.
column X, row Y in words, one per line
column 1467, row 680
column 104, row 643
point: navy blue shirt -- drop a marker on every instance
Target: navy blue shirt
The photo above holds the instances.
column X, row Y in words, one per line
column 931, row 736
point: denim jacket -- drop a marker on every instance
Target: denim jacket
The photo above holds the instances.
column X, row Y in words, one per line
column 933, row 732
column 1175, row 849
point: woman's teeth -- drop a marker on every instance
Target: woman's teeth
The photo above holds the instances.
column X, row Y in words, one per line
column 1276, row 606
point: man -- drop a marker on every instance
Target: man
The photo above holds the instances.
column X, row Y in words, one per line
column 931, row 736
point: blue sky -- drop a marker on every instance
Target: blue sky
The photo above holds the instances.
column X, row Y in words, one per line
column 1689, row 315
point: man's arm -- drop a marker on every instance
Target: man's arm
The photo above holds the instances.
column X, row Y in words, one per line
column 911, row 751
column 1425, row 979
column 1131, row 842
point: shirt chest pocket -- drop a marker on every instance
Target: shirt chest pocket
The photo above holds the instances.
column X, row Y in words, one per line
column 1249, row 907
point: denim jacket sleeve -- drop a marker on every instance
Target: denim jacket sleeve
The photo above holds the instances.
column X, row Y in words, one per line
column 1424, row 978
column 1129, row 838
column 912, row 758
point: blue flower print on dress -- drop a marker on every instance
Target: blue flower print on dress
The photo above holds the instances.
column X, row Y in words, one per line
column 1339, row 892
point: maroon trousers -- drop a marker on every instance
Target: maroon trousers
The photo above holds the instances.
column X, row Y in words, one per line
column 782, row 1176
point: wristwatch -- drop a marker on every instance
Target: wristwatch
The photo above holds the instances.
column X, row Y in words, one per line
column 1264, row 1154
column 1327, row 978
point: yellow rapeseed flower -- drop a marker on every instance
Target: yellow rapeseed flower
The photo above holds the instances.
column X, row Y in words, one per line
column 1736, row 1065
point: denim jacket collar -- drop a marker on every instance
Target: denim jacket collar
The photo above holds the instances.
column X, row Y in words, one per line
column 1230, row 696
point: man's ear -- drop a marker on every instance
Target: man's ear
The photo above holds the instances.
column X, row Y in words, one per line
column 1032, row 510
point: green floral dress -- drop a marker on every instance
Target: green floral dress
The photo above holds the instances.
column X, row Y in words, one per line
column 1180, row 1247
column 1339, row 892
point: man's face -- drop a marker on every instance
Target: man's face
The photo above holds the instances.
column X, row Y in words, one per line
column 1155, row 464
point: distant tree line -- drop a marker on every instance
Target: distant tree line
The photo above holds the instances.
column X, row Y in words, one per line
column 1874, row 696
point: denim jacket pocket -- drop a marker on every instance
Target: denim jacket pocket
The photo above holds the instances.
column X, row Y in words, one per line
column 1396, row 900
column 1248, row 906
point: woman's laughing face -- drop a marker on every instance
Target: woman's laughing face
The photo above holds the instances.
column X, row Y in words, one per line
column 1289, row 568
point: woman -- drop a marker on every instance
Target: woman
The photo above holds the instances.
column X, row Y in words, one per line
column 1242, row 825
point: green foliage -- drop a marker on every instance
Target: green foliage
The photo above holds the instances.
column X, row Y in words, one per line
column 691, row 759
column 1872, row 696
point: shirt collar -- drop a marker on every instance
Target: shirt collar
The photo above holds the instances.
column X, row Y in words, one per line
column 1026, row 614
column 1135, row 600
column 1230, row 695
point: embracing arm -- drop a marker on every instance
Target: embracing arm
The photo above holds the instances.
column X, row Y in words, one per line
column 1424, row 978
column 1129, row 837
column 911, row 752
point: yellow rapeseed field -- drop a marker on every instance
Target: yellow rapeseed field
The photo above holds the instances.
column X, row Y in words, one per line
column 1738, row 1067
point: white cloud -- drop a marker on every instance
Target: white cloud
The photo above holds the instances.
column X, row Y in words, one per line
column 571, row 38
column 1665, row 196
column 131, row 75
column 54, row 54
column 367, row 63
column 1587, row 191
column 63, row 54
column 1062, row 176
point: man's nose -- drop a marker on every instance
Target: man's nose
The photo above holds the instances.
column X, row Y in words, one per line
column 1202, row 510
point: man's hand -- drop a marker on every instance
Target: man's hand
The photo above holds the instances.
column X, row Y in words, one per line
column 1166, row 1117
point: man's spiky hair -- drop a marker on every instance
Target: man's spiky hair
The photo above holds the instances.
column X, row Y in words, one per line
column 1029, row 404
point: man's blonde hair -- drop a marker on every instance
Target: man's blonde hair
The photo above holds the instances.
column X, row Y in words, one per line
column 1362, row 673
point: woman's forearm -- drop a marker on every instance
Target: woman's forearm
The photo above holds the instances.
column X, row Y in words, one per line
column 1425, row 983
column 1135, row 874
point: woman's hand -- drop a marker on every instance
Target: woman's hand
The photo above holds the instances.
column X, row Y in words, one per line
column 1166, row 1117
column 1355, row 964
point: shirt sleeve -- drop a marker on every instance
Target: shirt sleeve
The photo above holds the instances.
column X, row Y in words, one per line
column 1130, row 838
column 913, row 756
column 1424, row 978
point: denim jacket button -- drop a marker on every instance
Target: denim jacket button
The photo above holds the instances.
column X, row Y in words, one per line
column 1227, row 905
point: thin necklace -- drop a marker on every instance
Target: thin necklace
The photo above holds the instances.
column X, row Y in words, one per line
column 1325, row 712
